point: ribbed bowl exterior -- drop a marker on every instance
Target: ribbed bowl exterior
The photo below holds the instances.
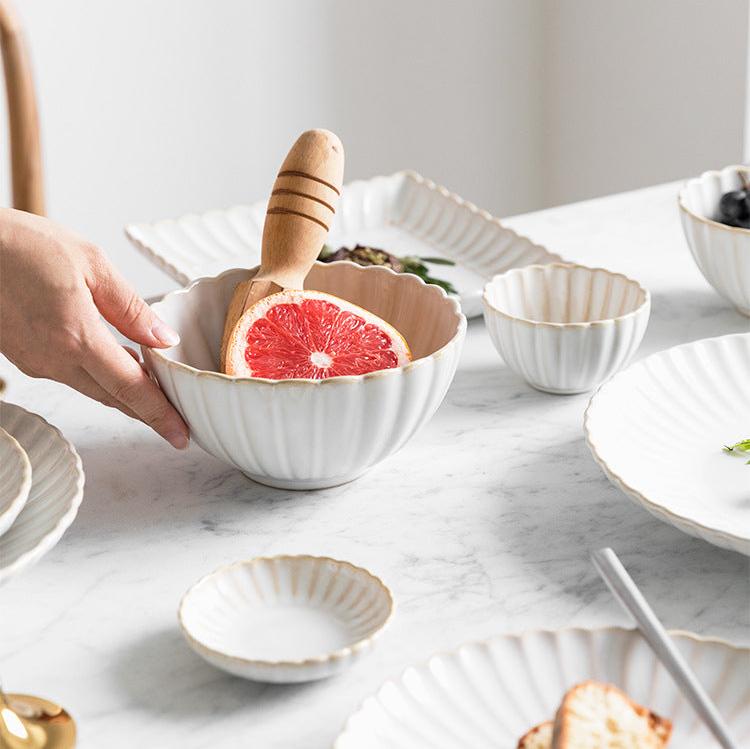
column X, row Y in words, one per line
column 722, row 253
column 301, row 434
column 486, row 695
column 657, row 431
column 55, row 494
column 15, row 479
column 228, row 600
column 537, row 320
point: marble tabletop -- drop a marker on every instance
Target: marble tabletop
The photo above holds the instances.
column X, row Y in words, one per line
column 481, row 524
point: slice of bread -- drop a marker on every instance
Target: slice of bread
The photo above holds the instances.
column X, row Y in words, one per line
column 539, row 737
column 601, row 716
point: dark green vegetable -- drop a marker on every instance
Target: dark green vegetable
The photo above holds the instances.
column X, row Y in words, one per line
column 363, row 255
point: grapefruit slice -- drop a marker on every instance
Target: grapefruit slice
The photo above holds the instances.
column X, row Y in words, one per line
column 312, row 335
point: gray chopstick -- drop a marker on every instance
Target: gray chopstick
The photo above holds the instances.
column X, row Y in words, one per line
column 631, row 599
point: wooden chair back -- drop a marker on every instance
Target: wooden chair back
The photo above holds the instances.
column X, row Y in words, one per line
column 23, row 119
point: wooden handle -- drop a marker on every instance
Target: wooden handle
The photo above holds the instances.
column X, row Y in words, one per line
column 25, row 148
column 301, row 208
column 299, row 214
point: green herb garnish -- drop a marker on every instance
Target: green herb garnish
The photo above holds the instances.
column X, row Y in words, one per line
column 742, row 446
column 363, row 255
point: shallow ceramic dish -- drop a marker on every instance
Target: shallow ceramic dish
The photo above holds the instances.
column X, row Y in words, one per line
column 721, row 252
column 55, row 494
column 309, row 434
column 657, row 431
column 565, row 328
column 285, row 619
column 486, row 695
column 403, row 213
column 15, row 479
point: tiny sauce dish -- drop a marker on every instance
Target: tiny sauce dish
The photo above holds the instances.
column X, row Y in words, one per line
column 565, row 328
column 285, row 619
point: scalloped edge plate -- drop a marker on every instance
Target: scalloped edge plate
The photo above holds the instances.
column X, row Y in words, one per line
column 15, row 479
column 403, row 213
column 682, row 404
column 486, row 695
column 55, row 495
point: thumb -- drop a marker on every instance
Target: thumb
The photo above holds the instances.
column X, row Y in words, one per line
column 120, row 306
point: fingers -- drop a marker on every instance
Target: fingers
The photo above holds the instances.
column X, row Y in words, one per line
column 123, row 379
column 123, row 308
column 133, row 353
column 84, row 383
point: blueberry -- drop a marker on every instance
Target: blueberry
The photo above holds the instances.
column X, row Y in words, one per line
column 734, row 208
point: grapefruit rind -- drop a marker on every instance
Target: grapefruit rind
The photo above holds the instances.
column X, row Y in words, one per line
column 238, row 366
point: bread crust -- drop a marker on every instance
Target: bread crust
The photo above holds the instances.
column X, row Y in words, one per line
column 533, row 735
column 660, row 727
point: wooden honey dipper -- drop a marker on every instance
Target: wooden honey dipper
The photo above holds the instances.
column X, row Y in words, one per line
column 299, row 214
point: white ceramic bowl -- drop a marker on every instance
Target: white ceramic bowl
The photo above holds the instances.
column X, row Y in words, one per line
column 309, row 434
column 285, row 619
column 15, row 479
column 565, row 328
column 721, row 252
column 486, row 695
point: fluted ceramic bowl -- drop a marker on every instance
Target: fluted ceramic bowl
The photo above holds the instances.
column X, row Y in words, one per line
column 309, row 434
column 565, row 328
column 721, row 252
column 285, row 619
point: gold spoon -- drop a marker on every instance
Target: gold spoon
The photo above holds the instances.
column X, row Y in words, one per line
column 28, row 722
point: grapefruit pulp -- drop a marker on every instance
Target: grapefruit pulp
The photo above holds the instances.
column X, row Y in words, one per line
column 312, row 335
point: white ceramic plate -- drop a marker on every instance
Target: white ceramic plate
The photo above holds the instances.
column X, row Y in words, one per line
column 657, row 431
column 405, row 214
column 487, row 695
column 55, row 494
column 286, row 618
column 15, row 479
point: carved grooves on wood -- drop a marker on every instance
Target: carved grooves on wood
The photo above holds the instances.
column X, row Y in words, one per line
column 297, row 213
column 287, row 191
column 292, row 173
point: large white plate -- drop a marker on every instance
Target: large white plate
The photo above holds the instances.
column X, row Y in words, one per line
column 487, row 695
column 55, row 495
column 15, row 479
column 657, row 430
column 405, row 214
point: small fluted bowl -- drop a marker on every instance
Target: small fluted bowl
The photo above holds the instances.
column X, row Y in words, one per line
column 565, row 328
column 309, row 434
column 721, row 252
column 285, row 619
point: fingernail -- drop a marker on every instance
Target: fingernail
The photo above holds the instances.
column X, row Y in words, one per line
column 180, row 440
column 164, row 333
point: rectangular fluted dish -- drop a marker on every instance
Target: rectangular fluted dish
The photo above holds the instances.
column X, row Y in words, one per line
column 404, row 213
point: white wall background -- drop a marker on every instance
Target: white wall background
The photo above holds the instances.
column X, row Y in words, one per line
column 154, row 108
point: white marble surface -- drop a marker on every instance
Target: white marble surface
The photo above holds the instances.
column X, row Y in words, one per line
column 480, row 524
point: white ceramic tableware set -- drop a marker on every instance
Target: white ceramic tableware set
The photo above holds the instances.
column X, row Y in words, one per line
column 41, row 488
column 562, row 327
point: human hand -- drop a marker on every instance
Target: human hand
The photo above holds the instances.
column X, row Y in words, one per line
column 53, row 288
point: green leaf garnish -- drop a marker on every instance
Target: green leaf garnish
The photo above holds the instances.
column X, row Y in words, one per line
column 742, row 446
column 438, row 260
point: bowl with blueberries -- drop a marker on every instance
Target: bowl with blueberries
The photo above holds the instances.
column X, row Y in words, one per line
column 715, row 213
